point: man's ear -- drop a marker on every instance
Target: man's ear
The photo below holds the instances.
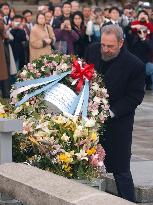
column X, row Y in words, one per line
column 121, row 43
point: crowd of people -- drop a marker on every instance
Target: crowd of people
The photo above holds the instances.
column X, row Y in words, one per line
column 69, row 28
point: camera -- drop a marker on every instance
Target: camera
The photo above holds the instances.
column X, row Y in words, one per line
column 143, row 19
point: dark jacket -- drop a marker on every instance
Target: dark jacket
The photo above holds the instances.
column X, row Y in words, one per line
column 18, row 45
column 142, row 49
column 81, row 44
column 124, row 79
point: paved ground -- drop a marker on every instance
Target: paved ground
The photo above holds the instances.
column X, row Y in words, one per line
column 142, row 148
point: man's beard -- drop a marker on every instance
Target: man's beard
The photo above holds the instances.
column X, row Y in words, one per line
column 107, row 57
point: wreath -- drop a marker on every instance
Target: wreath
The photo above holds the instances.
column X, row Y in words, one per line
column 65, row 144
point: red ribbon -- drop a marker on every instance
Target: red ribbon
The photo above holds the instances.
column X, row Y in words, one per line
column 81, row 73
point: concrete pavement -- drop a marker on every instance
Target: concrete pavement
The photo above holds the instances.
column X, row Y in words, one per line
column 142, row 148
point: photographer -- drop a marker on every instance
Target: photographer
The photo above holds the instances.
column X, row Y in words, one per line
column 18, row 41
column 142, row 20
column 66, row 37
column 142, row 47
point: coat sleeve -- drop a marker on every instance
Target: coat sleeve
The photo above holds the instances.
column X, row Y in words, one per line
column 35, row 41
column 58, row 34
column 51, row 34
column 134, row 94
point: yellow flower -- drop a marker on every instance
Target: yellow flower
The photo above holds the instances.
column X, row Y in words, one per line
column 93, row 136
column 91, row 151
column 70, row 125
column 3, row 115
column 67, row 168
column 59, row 119
column 65, row 157
column 33, row 140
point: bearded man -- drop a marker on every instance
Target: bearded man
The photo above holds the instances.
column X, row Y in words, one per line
column 124, row 77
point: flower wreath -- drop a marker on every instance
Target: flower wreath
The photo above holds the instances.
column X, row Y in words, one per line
column 65, row 145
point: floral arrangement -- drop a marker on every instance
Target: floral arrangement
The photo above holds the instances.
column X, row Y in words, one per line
column 65, row 145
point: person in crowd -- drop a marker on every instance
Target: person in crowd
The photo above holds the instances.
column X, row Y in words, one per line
column 78, row 26
column 114, row 15
column 124, row 77
column 18, row 41
column 86, row 10
column 57, row 11
column 75, row 6
column 127, row 16
column 94, row 26
column 66, row 10
column 66, row 13
column 28, row 15
column 49, row 18
column 12, row 13
column 5, row 8
column 142, row 47
column 106, row 13
column 142, row 19
column 41, row 37
column 66, row 37
column 4, row 73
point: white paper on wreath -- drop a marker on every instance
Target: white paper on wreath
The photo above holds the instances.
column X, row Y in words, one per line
column 59, row 99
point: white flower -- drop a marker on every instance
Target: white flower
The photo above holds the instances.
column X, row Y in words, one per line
column 78, row 132
column 2, row 111
column 97, row 100
column 90, row 122
column 82, row 155
column 65, row 137
column 105, row 102
column 95, row 86
column 24, row 73
column 18, row 109
column 95, row 112
column 34, row 64
column 64, row 67
column 104, row 91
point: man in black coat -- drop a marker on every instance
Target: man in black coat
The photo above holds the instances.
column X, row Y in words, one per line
column 124, row 77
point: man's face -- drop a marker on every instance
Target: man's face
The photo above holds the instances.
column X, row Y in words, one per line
column 17, row 23
column 114, row 15
column 28, row 17
column 5, row 9
column 128, row 13
column 86, row 12
column 75, row 6
column 110, row 46
column 57, row 11
column 66, row 9
column 48, row 17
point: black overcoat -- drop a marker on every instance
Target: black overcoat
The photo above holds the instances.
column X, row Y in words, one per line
column 124, row 80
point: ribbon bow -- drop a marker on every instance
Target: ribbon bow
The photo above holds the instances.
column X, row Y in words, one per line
column 81, row 73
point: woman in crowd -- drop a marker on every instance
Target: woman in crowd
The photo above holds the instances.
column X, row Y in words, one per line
column 79, row 27
column 4, row 74
column 41, row 37
column 142, row 20
column 66, row 37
